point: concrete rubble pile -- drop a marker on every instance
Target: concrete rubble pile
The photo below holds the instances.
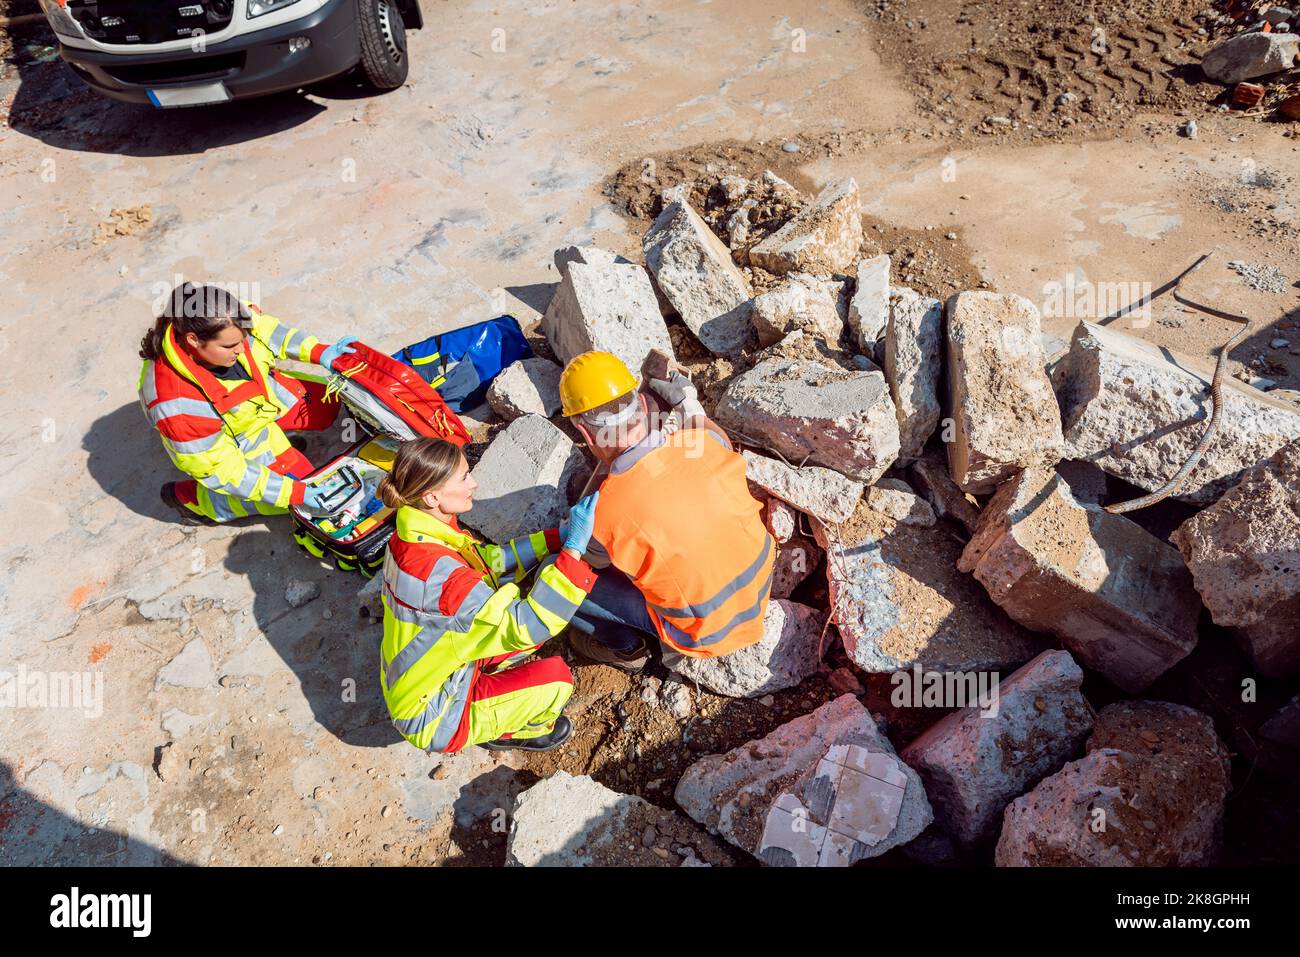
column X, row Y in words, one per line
column 936, row 502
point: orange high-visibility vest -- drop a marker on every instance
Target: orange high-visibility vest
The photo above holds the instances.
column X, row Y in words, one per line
column 676, row 516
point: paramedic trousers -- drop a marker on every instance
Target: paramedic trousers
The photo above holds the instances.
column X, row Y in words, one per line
column 310, row 414
column 517, row 700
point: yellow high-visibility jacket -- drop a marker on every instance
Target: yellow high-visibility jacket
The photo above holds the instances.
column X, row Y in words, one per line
column 451, row 601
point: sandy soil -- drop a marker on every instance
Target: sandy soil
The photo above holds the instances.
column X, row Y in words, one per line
column 397, row 216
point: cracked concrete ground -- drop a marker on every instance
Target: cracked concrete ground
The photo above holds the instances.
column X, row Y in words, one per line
column 392, row 218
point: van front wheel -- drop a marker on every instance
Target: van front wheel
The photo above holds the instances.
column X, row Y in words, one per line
column 383, row 43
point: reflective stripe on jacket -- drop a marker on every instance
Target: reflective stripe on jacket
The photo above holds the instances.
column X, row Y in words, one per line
column 676, row 516
column 450, row 601
column 223, row 432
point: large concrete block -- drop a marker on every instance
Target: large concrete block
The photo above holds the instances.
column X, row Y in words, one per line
column 1244, row 555
column 1149, row 793
column 694, row 271
column 527, row 387
column 790, row 651
column 567, row 821
column 913, row 362
column 974, row 763
column 869, row 308
column 802, row 303
column 899, row 600
column 523, row 480
column 819, row 492
column 1249, row 55
column 804, row 409
column 823, row 790
column 822, row 238
column 1137, row 410
column 1004, row 412
column 609, row 307
column 1119, row 598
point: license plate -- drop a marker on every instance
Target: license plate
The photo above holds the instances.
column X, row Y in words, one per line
column 200, row 95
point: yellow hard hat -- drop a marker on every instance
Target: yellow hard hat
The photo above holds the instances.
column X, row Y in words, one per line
column 591, row 380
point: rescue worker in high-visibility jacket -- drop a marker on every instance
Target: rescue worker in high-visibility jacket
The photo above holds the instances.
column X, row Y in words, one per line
column 691, row 558
column 457, row 625
column 210, row 387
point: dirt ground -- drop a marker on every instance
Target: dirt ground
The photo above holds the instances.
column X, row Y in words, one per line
column 397, row 216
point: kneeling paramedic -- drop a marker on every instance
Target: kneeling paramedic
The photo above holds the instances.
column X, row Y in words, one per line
column 692, row 560
column 456, row 624
column 221, row 407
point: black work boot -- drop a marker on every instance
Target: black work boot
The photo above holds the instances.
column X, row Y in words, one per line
column 586, row 646
column 188, row 517
column 557, row 736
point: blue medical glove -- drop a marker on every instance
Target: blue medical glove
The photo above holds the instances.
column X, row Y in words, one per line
column 341, row 348
column 581, row 524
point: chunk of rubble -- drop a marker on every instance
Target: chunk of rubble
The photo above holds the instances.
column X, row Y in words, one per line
column 299, row 593
column 820, row 492
column 913, row 361
column 781, row 520
column 587, row 255
column 1137, row 410
column 893, row 498
column 608, row 307
column 869, row 308
column 1005, row 416
column 1150, row 792
column 975, row 763
column 567, row 821
column 824, row 790
column 789, row 651
column 806, row 410
column 523, row 480
column 803, row 302
column 898, row 600
column 822, row 238
column 527, row 387
column 1248, row 55
column 1244, row 556
column 1117, row 597
column 694, row 271
column 931, row 476
column 796, row 559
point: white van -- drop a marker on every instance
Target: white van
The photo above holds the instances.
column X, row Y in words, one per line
column 195, row 52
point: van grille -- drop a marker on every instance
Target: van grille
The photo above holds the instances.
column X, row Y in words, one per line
column 130, row 22
column 171, row 71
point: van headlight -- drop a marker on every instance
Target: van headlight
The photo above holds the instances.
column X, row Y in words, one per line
column 258, row 7
column 61, row 21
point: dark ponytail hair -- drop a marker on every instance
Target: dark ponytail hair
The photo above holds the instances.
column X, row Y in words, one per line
column 202, row 310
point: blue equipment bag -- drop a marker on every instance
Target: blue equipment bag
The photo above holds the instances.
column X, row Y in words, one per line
column 461, row 364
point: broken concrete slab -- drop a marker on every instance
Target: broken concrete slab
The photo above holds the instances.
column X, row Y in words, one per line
column 900, row 504
column 869, row 308
column 1116, row 596
column 526, row 387
column 781, row 520
column 974, row 763
column 523, row 480
column 567, row 821
column 191, row 668
column 587, row 255
column 821, row 492
column 607, row 307
column 1249, row 55
column 824, row 790
column 1244, row 555
column 1150, row 792
column 899, row 601
column 807, row 410
column 913, row 362
column 795, row 561
column 930, row 475
column 1005, row 415
column 790, row 650
column 802, row 303
column 693, row 269
column 299, row 593
column 1136, row 410
column 822, row 238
